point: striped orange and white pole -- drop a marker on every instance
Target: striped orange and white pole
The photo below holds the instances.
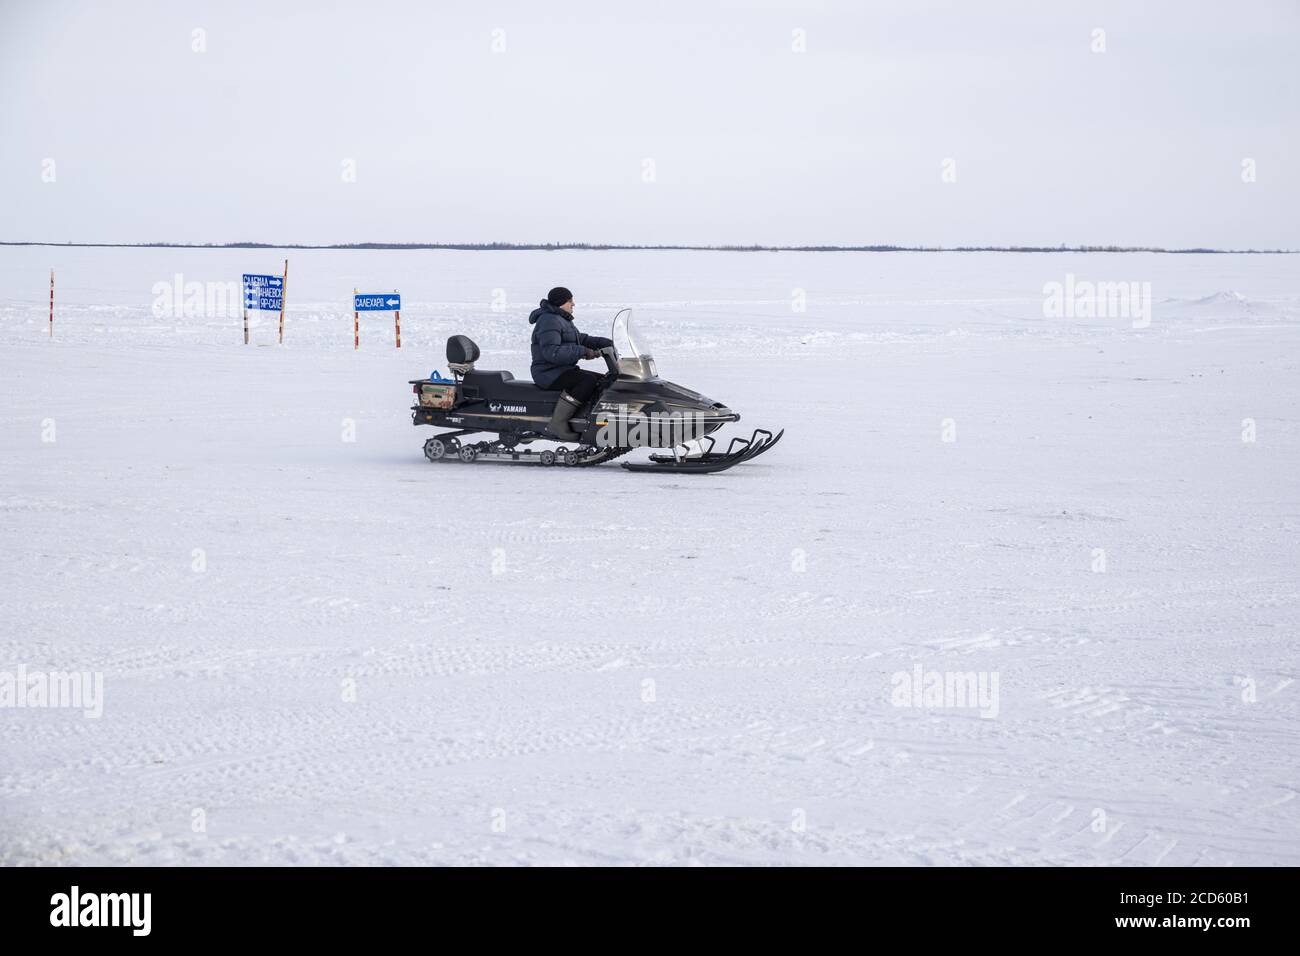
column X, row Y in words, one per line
column 51, row 303
column 356, row 323
column 397, row 323
column 284, row 289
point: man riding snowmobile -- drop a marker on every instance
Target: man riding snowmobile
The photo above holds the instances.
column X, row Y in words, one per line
column 630, row 407
column 558, row 346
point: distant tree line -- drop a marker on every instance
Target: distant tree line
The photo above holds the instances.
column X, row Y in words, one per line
column 599, row 246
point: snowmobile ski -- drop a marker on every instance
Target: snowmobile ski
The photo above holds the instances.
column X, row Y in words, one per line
column 707, row 461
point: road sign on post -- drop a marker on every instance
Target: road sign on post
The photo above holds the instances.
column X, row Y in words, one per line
column 377, row 303
column 265, row 293
column 390, row 302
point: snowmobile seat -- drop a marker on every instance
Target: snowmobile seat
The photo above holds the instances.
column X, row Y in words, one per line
column 484, row 384
column 503, row 385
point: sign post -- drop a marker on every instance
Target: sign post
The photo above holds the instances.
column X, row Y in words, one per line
column 264, row 293
column 376, row 303
column 283, row 287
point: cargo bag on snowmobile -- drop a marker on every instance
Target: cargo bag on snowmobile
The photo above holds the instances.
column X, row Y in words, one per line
column 437, row 394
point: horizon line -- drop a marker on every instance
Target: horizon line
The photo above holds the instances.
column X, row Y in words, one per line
column 632, row 247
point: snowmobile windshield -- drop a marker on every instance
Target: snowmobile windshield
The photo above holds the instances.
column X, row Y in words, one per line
column 634, row 359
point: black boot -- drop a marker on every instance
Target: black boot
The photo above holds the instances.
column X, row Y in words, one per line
column 565, row 409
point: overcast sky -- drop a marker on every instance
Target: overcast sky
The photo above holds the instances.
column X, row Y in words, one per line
column 552, row 138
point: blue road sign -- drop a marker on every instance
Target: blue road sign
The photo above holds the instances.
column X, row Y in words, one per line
column 263, row 292
column 377, row 303
column 268, row 303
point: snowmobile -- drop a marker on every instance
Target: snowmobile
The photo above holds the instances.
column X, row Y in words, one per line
column 632, row 407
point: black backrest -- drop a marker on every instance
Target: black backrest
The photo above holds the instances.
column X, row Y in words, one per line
column 461, row 350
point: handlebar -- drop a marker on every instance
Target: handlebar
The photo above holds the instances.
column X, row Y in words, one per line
column 610, row 355
column 611, row 360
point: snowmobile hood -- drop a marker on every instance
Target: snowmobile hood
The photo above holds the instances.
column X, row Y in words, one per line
column 545, row 308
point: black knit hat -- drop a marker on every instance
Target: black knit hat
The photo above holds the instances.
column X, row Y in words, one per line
column 558, row 296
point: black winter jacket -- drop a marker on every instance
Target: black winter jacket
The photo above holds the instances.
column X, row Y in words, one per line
column 557, row 343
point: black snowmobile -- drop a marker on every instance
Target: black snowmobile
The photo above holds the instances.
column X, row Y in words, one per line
column 632, row 408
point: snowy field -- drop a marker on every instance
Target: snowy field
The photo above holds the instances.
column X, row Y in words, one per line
column 323, row 650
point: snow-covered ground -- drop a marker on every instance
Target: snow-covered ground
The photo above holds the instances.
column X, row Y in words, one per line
column 323, row 650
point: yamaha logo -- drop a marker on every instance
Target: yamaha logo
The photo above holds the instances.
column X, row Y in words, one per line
column 500, row 407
